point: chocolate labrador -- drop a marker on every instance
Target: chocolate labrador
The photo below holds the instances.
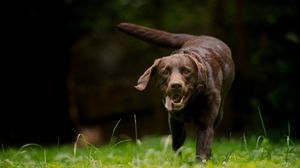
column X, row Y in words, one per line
column 193, row 82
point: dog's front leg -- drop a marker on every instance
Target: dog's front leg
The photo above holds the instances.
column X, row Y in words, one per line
column 205, row 132
column 178, row 133
column 204, row 141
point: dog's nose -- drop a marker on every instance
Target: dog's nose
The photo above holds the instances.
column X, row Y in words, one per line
column 176, row 85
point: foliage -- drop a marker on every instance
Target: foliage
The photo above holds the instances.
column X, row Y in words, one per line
column 156, row 152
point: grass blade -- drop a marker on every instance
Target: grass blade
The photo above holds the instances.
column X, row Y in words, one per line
column 113, row 132
column 262, row 121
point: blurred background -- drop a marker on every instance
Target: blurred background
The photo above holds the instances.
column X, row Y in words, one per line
column 68, row 70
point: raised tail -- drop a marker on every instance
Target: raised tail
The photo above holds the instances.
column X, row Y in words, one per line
column 154, row 36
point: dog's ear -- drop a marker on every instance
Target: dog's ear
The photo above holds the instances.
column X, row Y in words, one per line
column 201, row 72
column 145, row 78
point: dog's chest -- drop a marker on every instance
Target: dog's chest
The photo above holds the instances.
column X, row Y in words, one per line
column 190, row 114
column 196, row 112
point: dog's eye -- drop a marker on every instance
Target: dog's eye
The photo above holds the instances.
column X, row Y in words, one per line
column 186, row 71
column 165, row 72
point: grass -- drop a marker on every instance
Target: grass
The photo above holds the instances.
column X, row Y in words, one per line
column 246, row 152
column 151, row 152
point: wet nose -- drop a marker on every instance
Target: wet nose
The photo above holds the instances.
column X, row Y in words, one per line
column 176, row 85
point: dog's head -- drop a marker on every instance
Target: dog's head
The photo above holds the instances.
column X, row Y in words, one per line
column 178, row 77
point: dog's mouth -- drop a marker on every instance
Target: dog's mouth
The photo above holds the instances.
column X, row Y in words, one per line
column 175, row 102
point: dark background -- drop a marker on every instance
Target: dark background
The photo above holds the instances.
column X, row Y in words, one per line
column 66, row 68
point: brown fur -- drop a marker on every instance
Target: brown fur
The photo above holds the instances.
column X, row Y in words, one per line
column 193, row 81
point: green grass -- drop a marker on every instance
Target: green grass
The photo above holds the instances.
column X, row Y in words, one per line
column 151, row 152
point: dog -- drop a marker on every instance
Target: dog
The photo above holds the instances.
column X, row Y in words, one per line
column 193, row 82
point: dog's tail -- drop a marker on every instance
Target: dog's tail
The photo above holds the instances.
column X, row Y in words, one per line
column 154, row 36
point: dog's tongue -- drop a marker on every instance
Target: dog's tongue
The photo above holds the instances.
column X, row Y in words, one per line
column 168, row 103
